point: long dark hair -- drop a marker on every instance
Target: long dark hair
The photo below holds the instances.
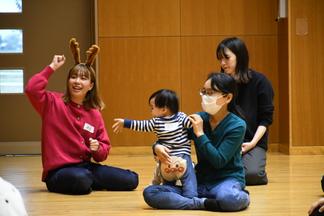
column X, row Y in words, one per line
column 237, row 46
column 166, row 98
column 92, row 99
column 226, row 84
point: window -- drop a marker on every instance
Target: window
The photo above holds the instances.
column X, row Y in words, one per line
column 10, row 6
column 11, row 81
column 11, row 40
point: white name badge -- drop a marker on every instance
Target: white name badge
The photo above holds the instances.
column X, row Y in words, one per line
column 88, row 127
column 171, row 126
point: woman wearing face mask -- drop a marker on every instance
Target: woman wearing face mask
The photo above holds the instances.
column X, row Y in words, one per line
column 255, row 99
column 218, row 134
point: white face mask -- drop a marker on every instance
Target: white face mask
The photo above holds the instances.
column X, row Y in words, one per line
column 209, row 105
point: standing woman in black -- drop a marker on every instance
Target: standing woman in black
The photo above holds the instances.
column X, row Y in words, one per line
column 255, row 98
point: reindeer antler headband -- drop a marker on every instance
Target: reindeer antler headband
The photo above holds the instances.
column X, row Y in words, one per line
column 91, row 52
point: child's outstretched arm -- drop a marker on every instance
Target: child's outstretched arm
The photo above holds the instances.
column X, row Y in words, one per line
column 118, row 125
column 135, row 125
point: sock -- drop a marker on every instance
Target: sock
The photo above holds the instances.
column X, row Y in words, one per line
column 212, row 205
column 316, row 212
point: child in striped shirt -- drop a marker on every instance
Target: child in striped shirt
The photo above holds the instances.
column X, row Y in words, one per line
column 170, row 127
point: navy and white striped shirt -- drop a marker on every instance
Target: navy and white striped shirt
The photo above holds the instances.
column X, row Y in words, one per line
column 171, row 131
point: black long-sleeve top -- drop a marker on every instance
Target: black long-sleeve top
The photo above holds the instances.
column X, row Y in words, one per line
column 255, row 99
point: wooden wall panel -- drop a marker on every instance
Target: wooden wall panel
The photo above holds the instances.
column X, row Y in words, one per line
column 283, row 80
column 198, row 59
column 131, row 69
column 138, row 17
column 231, row 17
column 151, row 44
column 307, row 77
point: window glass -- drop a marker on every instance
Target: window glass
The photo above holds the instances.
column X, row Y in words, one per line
column 11, row 81
column 11, row 40
column 10, row 6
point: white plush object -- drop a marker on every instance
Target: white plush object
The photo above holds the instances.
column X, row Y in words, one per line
column 11, row 202
column 175, row 170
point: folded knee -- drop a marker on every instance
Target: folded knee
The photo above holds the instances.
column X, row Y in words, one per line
column 148, row 193
column 127, row 183
column 256, row 178
column 232, row 202
column 133, row 182
column 81, row 184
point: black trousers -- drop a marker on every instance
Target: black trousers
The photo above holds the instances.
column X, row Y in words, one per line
column 84, row 177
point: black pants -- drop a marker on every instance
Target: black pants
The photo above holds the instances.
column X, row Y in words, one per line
column 84, row 177
column 254, row 162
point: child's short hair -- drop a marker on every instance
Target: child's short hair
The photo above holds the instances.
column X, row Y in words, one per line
column 166, row 98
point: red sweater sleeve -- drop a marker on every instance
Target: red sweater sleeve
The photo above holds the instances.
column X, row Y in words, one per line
column 36, row 88
column 104, row 143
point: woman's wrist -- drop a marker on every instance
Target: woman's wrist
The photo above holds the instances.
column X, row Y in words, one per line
column 253, row 143
column 52, row 66
column 199, row 134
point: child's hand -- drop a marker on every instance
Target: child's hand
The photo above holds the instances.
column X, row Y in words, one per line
column 118, row 126
column 94, row 144
column 162, row 153
column 57, row 62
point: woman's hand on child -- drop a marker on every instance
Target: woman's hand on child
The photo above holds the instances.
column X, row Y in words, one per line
column 57, row 62
column 94, row 144
column 162, row 153
column 118, row 126
column 197, row 124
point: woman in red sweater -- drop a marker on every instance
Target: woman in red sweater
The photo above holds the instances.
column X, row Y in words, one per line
column 73, row 131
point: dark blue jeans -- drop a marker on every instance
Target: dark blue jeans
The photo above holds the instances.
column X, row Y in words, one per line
column 229, row 193
column 84, row 177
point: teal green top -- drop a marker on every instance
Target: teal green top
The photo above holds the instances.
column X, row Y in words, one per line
column 219, row 150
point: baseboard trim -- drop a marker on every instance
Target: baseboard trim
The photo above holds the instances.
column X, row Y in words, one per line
column 16, row 148
column 34, row 147
column 306, row 150
column 273, row 147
